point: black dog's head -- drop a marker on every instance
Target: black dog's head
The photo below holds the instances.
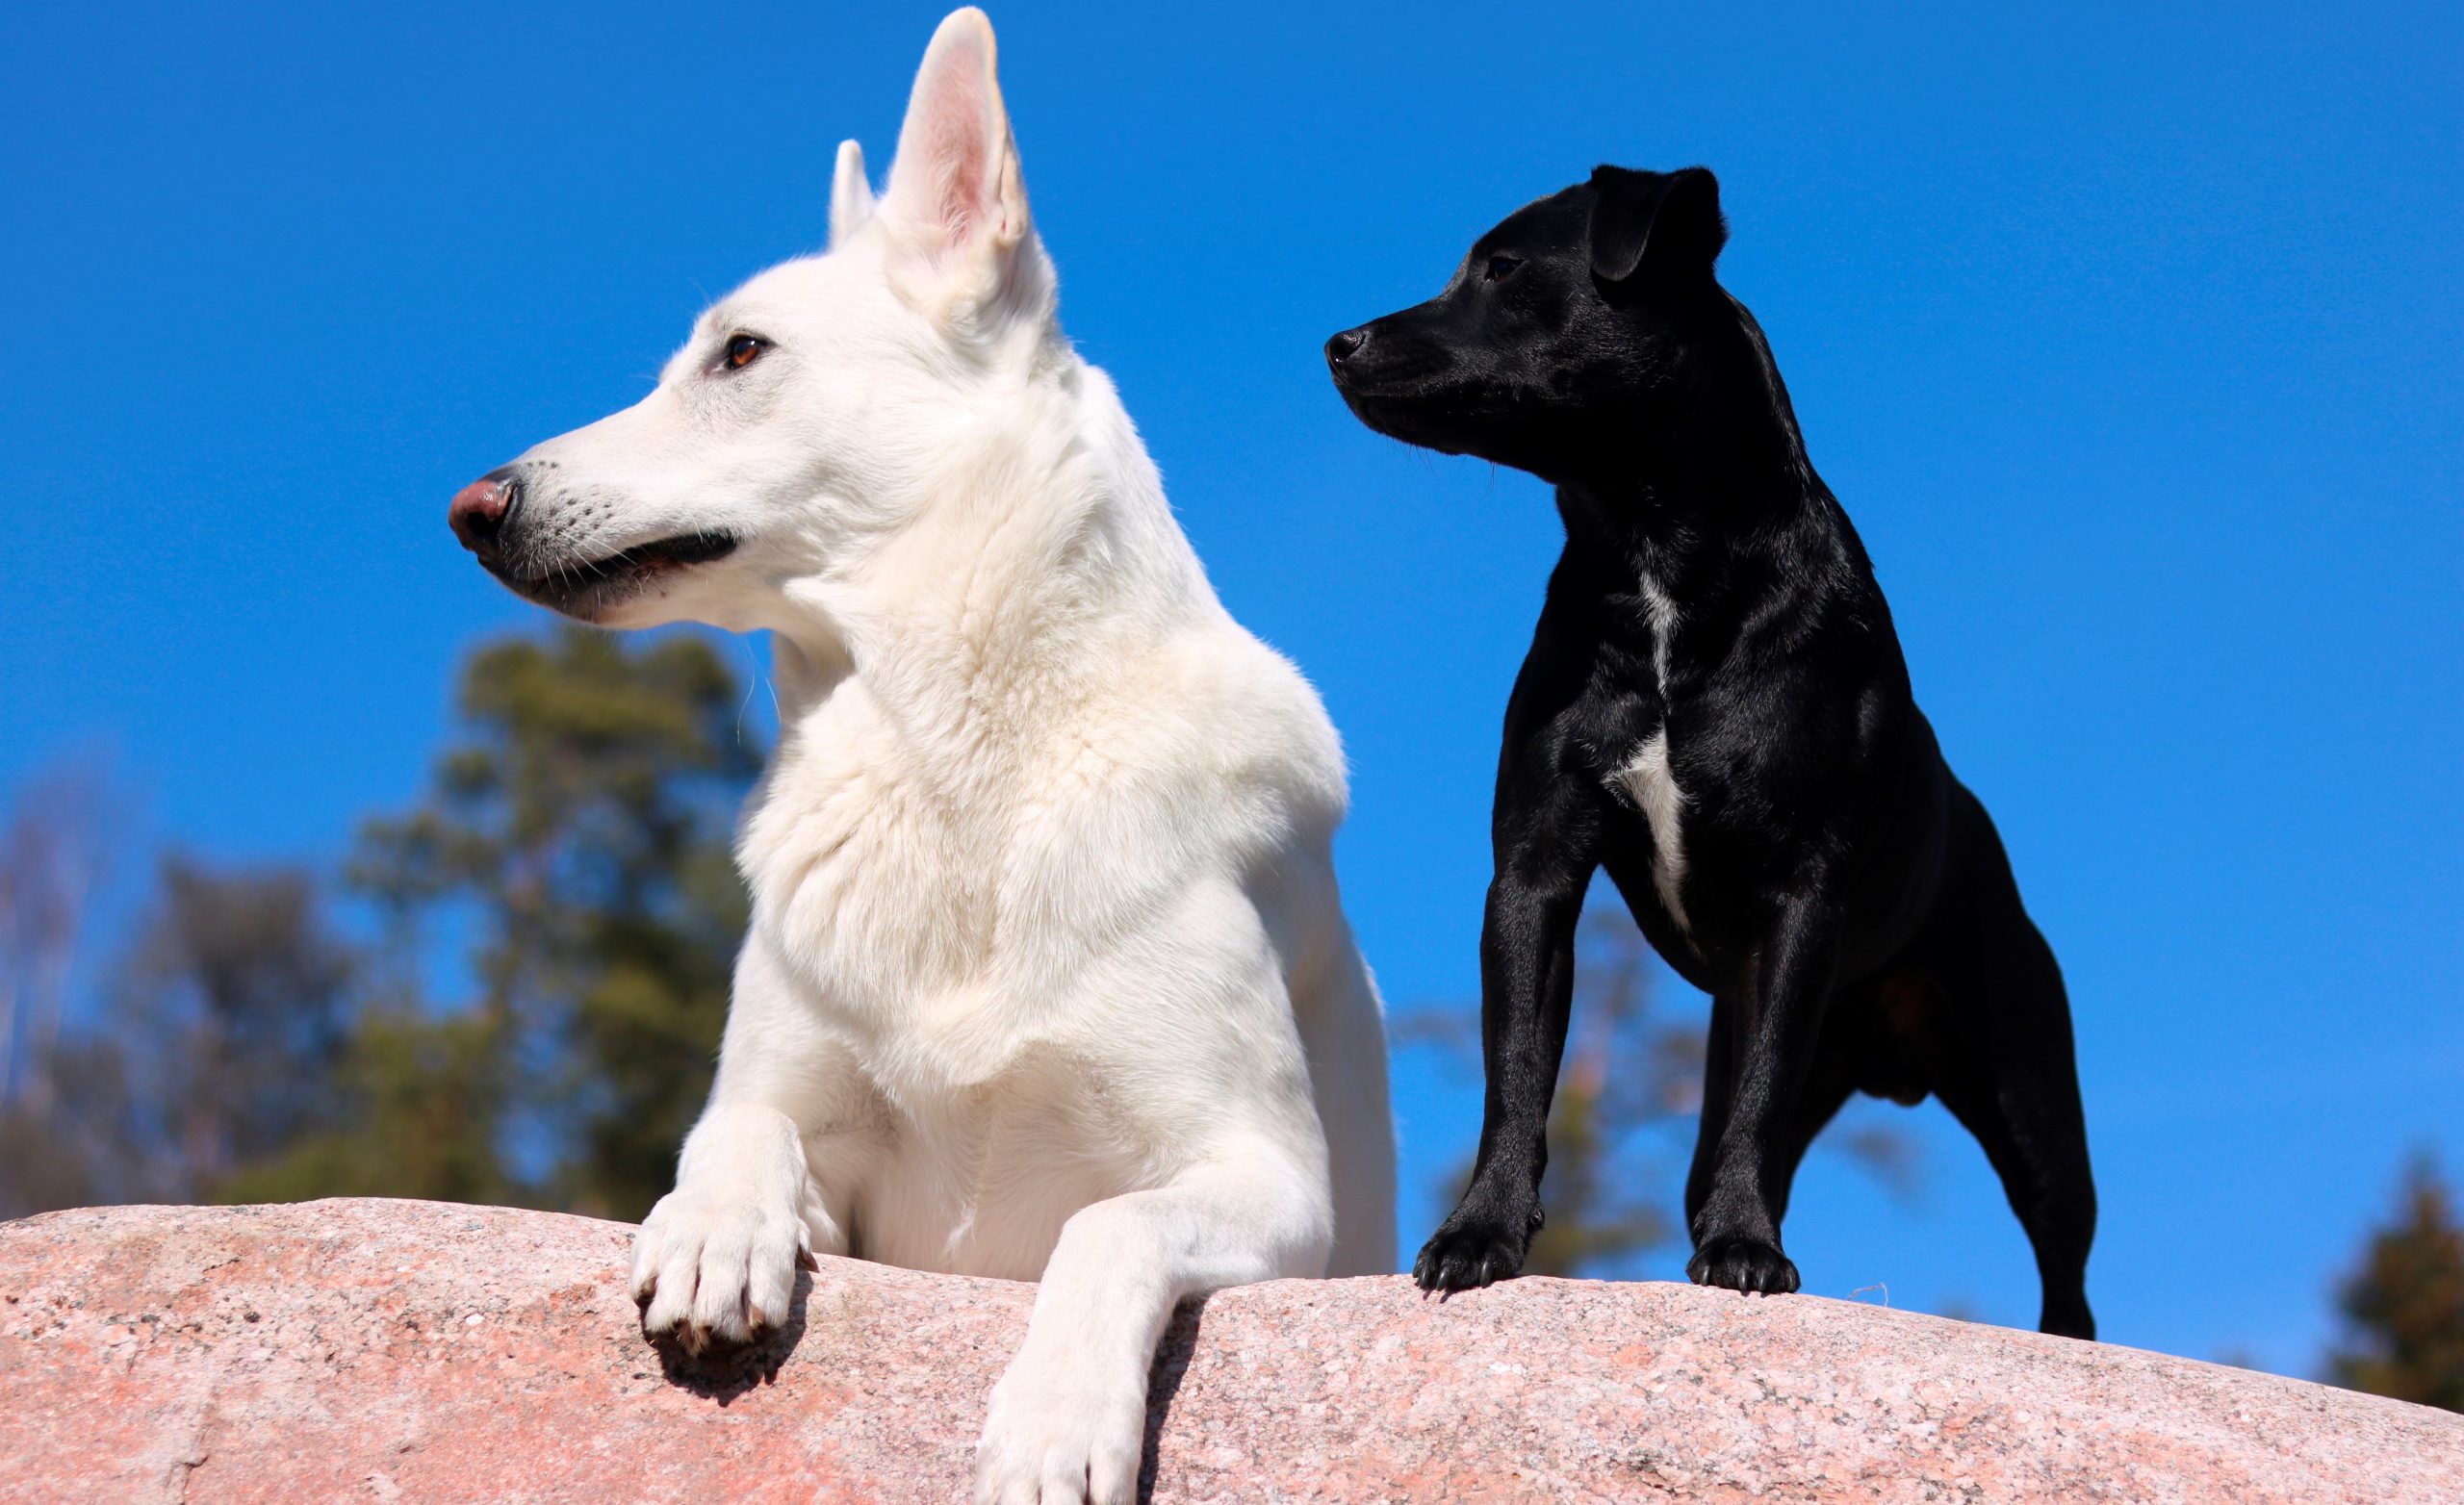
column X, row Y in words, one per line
column 1566, row 328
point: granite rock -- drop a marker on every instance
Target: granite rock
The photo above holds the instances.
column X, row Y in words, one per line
column 373, row 1350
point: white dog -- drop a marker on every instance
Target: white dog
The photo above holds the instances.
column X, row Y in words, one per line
column 1047, row 972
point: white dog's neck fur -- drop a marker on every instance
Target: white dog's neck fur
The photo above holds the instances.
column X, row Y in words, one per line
column 967, row 653
column 1041, row 547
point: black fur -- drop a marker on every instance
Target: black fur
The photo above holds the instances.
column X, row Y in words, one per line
column 1845, row 899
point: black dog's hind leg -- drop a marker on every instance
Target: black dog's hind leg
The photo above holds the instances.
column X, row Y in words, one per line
column 1545, row 860
column 2007, row 1073
column 1774, row 1018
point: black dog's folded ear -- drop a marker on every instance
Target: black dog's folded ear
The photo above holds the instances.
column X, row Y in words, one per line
column 1668, row 220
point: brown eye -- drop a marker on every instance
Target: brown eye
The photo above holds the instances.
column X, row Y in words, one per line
column 1501, row 267
column 743, row 350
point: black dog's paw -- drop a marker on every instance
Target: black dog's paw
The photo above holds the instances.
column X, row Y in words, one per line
column 1473, row 1251
column 1741, row 1263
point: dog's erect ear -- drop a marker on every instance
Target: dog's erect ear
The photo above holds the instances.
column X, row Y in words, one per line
column 851, row 197
column 1664, row 221
column 955, row 189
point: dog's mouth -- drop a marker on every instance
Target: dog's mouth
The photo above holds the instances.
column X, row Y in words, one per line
column 1405, row 390
column 1406, row 416
column 586, row 587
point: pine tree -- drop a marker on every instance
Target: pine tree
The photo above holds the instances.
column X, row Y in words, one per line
column 240, row 991
column 2403, row 1307
column 219, row 1043
column 575, row 843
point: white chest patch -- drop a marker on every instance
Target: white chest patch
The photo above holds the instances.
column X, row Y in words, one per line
column 1663, row 615
column 1648, row 781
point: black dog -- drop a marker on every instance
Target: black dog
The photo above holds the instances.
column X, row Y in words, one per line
column 1715, row 711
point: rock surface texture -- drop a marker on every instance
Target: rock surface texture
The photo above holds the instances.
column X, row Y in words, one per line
column 405, row 1350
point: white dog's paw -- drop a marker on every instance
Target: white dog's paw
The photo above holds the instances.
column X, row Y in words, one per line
column 1051, row 1438
column 710, row 1268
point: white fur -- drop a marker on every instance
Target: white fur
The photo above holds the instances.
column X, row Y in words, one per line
column 1662, row 609
column 1047, row 973
column 1647, row 780
column 851, row 196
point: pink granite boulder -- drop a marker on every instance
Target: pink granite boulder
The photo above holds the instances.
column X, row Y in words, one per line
column 399, row 1350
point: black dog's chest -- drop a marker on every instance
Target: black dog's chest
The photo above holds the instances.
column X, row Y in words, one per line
column 1726, row 761
column 1647, row 783
column 1640, row 771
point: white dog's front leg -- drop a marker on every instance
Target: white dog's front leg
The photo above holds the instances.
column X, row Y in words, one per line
column 716, row 1259
column 1067, row 1422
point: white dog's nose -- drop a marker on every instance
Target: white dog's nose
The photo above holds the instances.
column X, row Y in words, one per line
column 478, row 510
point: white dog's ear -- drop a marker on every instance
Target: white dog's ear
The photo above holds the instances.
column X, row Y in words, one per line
column 955, row 193
column 851, row 197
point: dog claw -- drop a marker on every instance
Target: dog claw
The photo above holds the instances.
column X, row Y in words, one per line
column 1749, row 1266
column 1467, row 1255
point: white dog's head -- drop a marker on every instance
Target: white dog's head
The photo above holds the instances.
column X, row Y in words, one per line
column 795, row 428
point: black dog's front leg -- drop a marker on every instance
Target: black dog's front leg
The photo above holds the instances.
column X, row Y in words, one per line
column 1546, row 852
column 1777, row 1013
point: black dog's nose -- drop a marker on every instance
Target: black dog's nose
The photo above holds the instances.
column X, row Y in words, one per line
column 479, row 509
column 1343, row 346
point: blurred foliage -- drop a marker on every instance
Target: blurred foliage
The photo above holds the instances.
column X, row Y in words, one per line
column 2403, row 1307
column 52, row 846
column 536, row 1021
column 65, row 1099
column 244, row 989
column 219, row 1042
column 1621, row 1126
column 577, row 840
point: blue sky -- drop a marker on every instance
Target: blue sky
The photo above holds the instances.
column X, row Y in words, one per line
column 2131, row 338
